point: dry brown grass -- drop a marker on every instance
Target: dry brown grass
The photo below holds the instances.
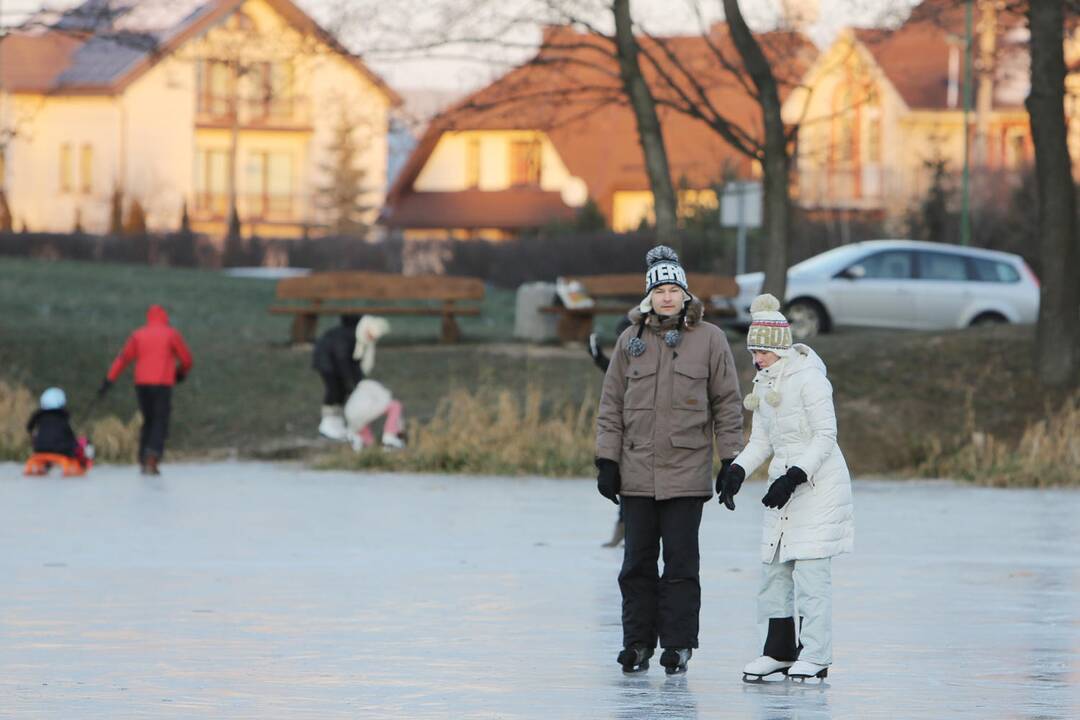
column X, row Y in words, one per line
column 490, row 433
column 1047, row 454
column 113, row 439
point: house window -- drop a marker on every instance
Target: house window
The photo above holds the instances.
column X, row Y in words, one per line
column 214, row 88
column 272, row 91
column 67, row 172
column 472, row 163
column 269, row 185
column 873, row 136
column 525, row 162
column 86, row 169
column 212, row 182
column 1015, row 148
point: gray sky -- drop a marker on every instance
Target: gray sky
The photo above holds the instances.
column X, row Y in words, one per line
column 386, row 32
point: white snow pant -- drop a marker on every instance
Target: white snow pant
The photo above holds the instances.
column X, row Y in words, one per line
column 800, row 588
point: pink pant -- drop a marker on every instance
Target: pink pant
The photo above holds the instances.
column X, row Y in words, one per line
column 392, row 426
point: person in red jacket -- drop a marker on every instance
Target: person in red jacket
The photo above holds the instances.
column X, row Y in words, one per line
column 161, row 359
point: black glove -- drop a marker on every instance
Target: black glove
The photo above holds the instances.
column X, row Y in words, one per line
column 181, row 376
column 728, row 482
column 105, row 385
column 608, row 480
column 782, row 487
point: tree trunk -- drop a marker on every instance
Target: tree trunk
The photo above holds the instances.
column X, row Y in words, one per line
column 1057, row 349
column 775, row 162
column 648, row 124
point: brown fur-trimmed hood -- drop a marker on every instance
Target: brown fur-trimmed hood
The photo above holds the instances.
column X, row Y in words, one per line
column 695, row 313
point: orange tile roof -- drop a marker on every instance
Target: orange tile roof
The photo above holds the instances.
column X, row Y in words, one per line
column 511, row 209
column 915, row 56
column 571, row 91
column 32, row 62
column 91, row 51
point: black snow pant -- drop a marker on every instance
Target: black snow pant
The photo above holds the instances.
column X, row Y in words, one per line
column 334, row 390
column 664, row 607
column 155, row 403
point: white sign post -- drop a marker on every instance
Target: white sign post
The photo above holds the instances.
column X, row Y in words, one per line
column 740, row 207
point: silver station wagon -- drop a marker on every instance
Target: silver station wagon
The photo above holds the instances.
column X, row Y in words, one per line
column 901, row 284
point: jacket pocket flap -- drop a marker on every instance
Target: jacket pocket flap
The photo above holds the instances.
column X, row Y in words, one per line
column 693, row 370
column 689, row 439
column 638, row 371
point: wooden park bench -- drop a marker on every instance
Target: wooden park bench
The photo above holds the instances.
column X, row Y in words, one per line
column 340, row 293
column 616, row 294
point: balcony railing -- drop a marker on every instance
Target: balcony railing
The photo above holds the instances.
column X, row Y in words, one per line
column 290, row 111
column 841, row 187
column 252, row 207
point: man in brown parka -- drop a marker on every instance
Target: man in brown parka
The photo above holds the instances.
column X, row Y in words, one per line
column 670, row 391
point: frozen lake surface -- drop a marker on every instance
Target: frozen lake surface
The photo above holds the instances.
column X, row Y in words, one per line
column 268, row 591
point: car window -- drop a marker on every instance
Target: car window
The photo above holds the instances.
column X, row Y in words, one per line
column 888, row 265
column 942, row 266
column 994, row 271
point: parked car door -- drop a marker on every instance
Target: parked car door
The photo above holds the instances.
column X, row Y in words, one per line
column 875, row 290
column 944, row 291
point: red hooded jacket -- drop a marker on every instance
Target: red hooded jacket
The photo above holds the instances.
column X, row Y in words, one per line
column 155, row 348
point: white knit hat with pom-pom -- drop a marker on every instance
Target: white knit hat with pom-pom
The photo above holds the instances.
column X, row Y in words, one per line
column 769, row 329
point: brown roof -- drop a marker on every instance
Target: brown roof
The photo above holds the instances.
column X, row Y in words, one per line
column 512, row 209
column 95, row 53
column 31, row 63
column 915, row 56
column 570, row 90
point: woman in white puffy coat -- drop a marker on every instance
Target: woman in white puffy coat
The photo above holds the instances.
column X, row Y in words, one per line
column 809, row 510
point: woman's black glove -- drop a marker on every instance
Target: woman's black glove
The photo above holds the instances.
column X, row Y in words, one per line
column 782, row 487
column 608, row 480
column 105, row 385
column 728, row 481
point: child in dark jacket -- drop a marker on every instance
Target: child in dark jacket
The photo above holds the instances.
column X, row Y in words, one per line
column 50, row 426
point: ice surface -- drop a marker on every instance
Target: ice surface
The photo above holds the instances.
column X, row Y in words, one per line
column 269, row 591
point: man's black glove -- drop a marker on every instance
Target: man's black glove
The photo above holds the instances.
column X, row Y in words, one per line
column 608, row 480
column 782, row 487
column 728, row 482
column 105, row 385
column 181, row 376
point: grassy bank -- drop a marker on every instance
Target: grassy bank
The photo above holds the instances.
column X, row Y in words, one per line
column 906, row 402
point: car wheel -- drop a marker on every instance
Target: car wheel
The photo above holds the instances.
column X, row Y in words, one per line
column 806, row 319
column 989, row 319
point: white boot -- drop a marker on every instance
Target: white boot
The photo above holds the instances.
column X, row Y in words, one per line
column 803, row 669
column 332, row 424
column 394, row 442
column 764, row 666
column 357, row 441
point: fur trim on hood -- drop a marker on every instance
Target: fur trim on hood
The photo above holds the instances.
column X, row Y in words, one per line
column 695, row 313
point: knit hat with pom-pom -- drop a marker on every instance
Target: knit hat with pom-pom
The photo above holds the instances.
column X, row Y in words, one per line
column 769, row 329
column 664, row 269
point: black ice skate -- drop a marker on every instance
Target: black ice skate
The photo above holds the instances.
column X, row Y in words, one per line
column 674, row 660
column 635, row 658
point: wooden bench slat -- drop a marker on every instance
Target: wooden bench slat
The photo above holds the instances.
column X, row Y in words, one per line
column 576, row 324
column 371, row 310
column 361, row 285
column 330, row 293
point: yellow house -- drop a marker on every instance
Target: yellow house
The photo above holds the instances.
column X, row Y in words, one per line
column 880, row 109
column 189, row 102
column 540, row 142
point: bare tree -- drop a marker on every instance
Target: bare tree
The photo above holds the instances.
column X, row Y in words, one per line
column 1058, row 337
column 648, row 124
column 772, row 152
